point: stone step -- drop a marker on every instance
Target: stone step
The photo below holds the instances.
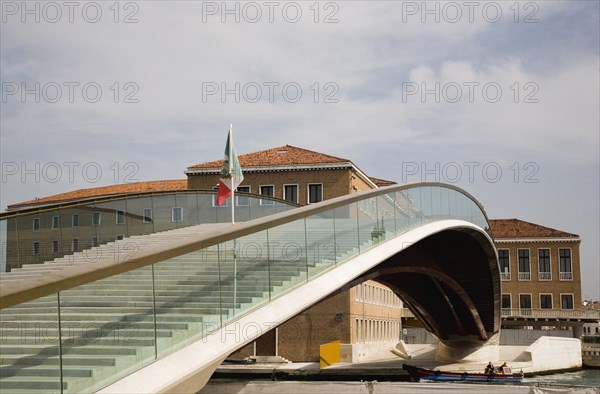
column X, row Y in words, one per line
column 91, row 334
column 101, row 341
column 15, row 371
column 78, row 360
column 66, row 349
column 26, row 385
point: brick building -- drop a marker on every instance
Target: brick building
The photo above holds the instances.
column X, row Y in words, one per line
column 540, row 273
column 290, row 173
column 38, row 237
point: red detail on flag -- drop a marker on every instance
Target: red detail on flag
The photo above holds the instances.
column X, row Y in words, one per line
column 223, row 193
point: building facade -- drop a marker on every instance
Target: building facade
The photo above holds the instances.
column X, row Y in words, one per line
column 35, row 237
column 540, row 273
column 294, row 174
column 539, row 266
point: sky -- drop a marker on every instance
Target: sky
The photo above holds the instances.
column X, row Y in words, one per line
column 499, row 98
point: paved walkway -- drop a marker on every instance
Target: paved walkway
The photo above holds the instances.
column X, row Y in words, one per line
column 374, row 387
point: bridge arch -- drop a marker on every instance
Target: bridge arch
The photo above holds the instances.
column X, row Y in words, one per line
column 450, row 282
column 422, row 229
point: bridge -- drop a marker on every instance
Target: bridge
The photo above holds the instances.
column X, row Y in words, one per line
column 159, row 312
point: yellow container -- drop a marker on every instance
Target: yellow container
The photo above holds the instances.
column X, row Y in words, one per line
column 329, row 354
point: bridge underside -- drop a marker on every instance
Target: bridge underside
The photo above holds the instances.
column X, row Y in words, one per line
column 449, row 280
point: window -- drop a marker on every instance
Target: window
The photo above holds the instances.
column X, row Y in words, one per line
column 290, row 193
column 566, row 269
column 243, row 201
column 506, row 301
column 524, row 268
column 74, row 244
column 119, row 237
column 544, row 272
column 267, row 191
column 504, row 259
column 120, row 217
column 95, row 241
column 176, row 214
column 566, row 301
column 525, row 304
column 96, row 218
column 36, row 224
column 54, row 246
column 55, row 223
column 147, row 215
column 36, row 248
column 545, row 301
column 315, row 193
column 75, row 220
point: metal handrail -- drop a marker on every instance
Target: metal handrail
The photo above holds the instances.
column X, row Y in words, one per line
column 52, row 206
column 550, row 313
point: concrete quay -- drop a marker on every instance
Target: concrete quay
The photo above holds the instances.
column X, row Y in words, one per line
column 275, row 375
column 375, row 377
column 389, row 369
column 377, row 387
column 546, row 355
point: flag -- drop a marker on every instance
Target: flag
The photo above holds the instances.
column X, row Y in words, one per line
column 231, row 174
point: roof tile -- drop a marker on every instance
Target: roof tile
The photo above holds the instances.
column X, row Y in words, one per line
column 283, row 155
column 515, row 228
column 137, row 187
column 382, row 182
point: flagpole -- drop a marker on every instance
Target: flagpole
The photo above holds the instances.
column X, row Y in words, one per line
column 231, row 171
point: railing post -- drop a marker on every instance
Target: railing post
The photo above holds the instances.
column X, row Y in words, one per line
column 60, row 349
column 154, row 314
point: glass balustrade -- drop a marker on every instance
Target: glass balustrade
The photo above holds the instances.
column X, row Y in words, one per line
column 84, row 338
column 34, row 236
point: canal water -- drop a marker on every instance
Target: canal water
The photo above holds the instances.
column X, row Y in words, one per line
column 585, row 377
column 580, row 382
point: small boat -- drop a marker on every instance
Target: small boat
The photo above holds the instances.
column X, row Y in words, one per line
column 244, row 361
column 417, row 374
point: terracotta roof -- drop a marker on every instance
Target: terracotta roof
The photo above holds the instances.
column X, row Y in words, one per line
column 382, row 182
column 591, row 305
column 515, row 228
column 281, row 156
column 137, row 187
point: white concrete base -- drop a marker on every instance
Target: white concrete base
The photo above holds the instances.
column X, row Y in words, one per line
column 465, row 351
column 545, row 355
column 554, row 354
column 369, row 351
